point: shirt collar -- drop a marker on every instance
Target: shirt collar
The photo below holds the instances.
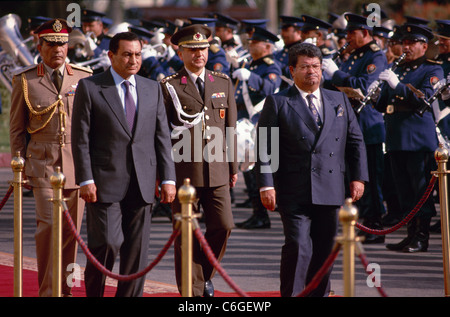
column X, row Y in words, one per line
column 118, row 80
column 194, row 76
column 51, row 70
column 303, row 93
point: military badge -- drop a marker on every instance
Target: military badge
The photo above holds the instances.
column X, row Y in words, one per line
column 184, row 80
column 57, row 26
column 197, row 37
column 434, row 80
column 218, row 67
column 273, row 77
column 371, row 68
column 222, row 113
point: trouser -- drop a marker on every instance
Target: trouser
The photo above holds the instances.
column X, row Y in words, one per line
column 122, row 227
column 216, row 204
column 43, row 237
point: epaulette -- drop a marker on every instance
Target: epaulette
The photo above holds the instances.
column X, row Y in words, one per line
column 24, row 69
column 268, row 60
column 214, row 48
column 165, row 79
column 219, row 74
column 85, row 69
column 433, row 61
column 374, row 47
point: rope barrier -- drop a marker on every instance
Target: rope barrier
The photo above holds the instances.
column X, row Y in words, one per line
column 100, row 267
column 407, row 218
column 321, row 272
column 5, row 199
column 365, row 263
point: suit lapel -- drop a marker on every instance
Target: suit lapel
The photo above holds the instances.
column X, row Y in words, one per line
column 109, row 92
column 297, row 103
column 144, row 98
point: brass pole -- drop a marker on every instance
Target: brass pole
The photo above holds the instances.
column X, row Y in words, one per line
column 57, row 180
column 441, row 155
column 17, row 165
column 348, row 215
column 186, row 196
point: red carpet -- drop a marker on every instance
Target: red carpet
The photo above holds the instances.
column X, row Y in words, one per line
column 30, row 287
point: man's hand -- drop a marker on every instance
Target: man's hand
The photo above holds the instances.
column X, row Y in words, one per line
column 390, row 77
column 329, row 66
column 89, row 193
column 168, row 192
column 233, row 180
column 356, row 190
column 268, row 199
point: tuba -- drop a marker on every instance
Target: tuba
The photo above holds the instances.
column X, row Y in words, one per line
column 15, row 54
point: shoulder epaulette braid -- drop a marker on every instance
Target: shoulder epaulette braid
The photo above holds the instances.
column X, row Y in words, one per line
column 24, row 69
column 219, row 74
column 86, row 69
column 165, row 79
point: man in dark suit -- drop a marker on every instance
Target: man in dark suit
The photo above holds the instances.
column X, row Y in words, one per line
column 200, row 116
column 120, row 142
column 318, row 136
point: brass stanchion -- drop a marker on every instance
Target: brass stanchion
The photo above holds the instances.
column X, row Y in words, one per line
column 348, row 215
column 186, row 196
column 441, row 155
column 17, row 165
column 57, row 180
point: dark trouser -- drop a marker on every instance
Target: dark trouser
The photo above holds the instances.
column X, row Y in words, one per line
column 216, row 204
column 113, row 228
column 309, row 232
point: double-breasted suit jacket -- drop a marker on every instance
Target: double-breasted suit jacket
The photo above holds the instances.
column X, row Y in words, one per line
column 40, row 122
column 220, row 113
column 312, row 162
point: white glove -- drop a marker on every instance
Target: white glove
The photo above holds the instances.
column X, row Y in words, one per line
column 243, row 74
column 170, row 53
column 91, row 43
column 376, row 93
column 329, row 67
column 390, row 77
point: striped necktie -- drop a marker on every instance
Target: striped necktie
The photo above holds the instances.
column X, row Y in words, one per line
column 314, row 110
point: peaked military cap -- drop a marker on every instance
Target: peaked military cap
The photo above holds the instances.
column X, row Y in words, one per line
column 356, row 22
column 192, row 36
column 312, row 23
column 55, row 30
column 416, row 20
column 91, row 15
column 443, row 28
column 416, row 32
column 226, row 21
column 141, row 32
column 290, row 21
column 248, row 24
column 261, row 34
column 152, row 26
column 382, row 31
column 35, row 22
column 170, row 27
column 209, row 22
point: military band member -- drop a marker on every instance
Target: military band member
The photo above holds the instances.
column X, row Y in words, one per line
column 92, row 25
column 291, row 34
column 317, row 30
column 226, row 28
column 41, row 109
column 200, row 104
column 410, row 137
column 363, row 67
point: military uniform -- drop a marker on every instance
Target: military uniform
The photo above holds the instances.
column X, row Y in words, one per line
column 362, row 68
column 444, row 58
column 199, row 125
column 40, row 128
column 411, row 138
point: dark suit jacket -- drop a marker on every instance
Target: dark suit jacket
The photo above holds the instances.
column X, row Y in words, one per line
column 104, row 148
column 312, row 163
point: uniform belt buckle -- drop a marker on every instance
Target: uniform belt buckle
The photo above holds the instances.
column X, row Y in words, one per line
column 390, row 109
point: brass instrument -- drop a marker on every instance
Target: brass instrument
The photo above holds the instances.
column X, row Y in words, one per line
column 373, row 90
column 338, row 54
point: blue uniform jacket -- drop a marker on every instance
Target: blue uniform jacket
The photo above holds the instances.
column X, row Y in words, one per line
column 405, row 129
column 361, row 69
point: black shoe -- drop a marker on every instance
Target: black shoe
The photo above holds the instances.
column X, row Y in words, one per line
column 399, row 246
column 209, row 289
column 373, row 238
column 255, row 222
column 246, row 204
column 417, row 245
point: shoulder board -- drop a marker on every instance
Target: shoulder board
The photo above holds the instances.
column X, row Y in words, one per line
column 166, row 79
column 374, row 47
column 24, row 69
column 85, row 69
column 432, row 61
column 214, row 48
column 268, row 60
column 219, row 74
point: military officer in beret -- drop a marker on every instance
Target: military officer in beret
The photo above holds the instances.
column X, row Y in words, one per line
column 363, row 67
column 41, row 110
column 291, row 34
column 200, row 108
column 254, row 83
column 411, row 136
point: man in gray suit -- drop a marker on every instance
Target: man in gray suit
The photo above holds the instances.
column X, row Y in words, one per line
column 121, row 143
column 318, row 137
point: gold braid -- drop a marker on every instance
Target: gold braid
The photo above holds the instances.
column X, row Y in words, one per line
column 52, row 108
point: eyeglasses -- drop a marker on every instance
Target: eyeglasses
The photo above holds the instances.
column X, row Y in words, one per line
column 315, row 67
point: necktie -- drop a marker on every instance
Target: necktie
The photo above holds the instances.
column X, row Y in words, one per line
column 314, row 110
column 57, row 80
column 201, row 87
column 130, row 106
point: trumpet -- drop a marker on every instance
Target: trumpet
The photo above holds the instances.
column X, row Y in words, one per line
column 373, row 90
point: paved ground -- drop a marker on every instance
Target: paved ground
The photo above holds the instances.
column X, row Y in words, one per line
column 253, row 256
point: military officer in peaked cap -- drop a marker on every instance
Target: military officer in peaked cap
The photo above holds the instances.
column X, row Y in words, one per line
column 226, row 27
column 254, row 83
column 40, row 128
column 410, row 134
column 363, row 67
column 200, row 108
column 92, row 25
column 291, row 34
column 317, row 29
